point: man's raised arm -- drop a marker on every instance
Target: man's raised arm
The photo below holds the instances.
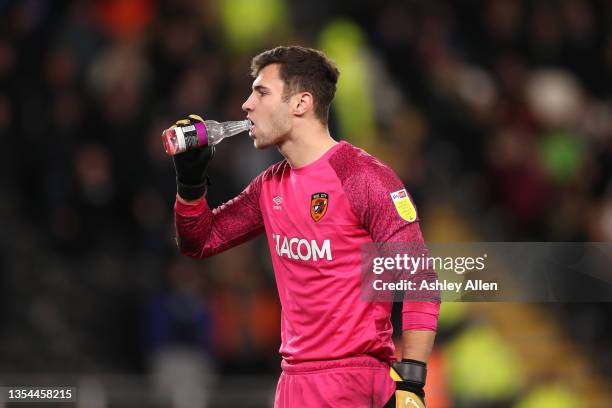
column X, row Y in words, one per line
column 200, row 231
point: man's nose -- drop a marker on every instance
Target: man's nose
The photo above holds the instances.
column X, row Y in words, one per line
column 246, row 106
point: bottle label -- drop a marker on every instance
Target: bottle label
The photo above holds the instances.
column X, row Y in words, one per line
column 190, row 136
column 180, row 139
column 202, row 134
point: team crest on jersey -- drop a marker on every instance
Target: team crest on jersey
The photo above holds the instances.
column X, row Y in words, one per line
column 403, row 205
column 318, row 205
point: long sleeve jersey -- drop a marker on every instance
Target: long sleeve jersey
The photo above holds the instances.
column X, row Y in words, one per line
column 316, row 219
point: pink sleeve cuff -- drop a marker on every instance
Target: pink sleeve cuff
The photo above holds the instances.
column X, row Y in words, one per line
column 420, row 316
column 189, row 210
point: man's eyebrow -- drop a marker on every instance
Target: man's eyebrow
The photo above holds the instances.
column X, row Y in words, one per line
column 260, row 88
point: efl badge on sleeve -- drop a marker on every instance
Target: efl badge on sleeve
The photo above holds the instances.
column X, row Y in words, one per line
column 318, row 205
column 403, row 205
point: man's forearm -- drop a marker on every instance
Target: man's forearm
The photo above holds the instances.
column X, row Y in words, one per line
column 417, row 344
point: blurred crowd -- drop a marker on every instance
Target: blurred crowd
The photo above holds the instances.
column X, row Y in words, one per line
column 496, row 114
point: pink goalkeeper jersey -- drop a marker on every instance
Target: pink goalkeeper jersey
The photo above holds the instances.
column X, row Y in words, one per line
column 316, row 219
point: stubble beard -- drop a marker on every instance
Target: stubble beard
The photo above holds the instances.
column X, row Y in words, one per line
column 279, row 128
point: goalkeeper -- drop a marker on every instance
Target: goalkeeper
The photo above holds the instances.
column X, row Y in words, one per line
column 317, row 208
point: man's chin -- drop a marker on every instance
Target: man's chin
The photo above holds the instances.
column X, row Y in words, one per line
column 259, row 145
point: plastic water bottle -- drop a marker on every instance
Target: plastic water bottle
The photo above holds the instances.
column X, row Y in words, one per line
column 209, row 133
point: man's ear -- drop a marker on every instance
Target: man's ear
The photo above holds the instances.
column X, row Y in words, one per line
column 303, row 102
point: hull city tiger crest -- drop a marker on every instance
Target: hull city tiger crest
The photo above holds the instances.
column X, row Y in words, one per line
column 318, row 205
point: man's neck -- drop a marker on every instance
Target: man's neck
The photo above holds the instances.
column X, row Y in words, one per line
column 306, row 145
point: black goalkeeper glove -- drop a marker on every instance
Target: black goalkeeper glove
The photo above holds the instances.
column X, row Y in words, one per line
column 409, row 377
column 190, row 166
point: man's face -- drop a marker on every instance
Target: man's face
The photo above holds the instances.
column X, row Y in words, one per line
column 267, row 110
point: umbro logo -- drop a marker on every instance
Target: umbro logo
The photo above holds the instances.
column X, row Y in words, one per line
column 278, row 200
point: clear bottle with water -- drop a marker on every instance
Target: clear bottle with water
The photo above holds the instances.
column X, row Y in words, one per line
column 208, row 133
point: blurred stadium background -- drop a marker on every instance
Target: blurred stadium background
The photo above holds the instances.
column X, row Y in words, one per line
column 496, row 114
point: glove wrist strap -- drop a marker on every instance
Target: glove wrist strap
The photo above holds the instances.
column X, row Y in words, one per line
column 191, row 192
column 411, row 371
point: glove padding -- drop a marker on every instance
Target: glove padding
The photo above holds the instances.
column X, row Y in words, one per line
column 190, row 166
column 409, row 377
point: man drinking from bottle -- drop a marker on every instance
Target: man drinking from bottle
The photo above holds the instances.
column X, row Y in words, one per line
column 317, row 207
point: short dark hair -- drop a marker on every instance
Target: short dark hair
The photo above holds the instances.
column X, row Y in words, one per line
column 303, row 69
